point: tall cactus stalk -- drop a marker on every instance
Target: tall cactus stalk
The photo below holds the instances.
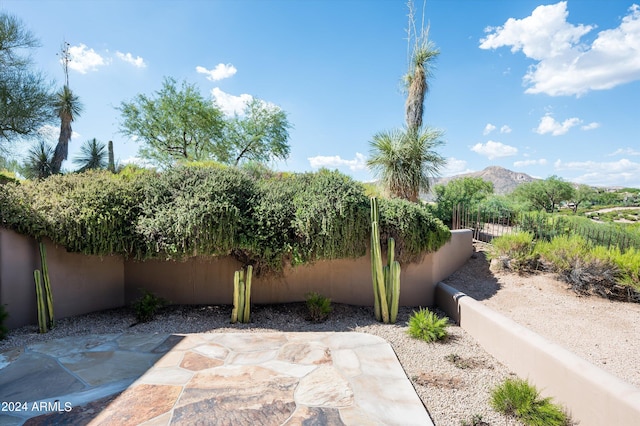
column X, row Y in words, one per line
column 386, row 279
column 42, row 315
column 47, row 283
column 242, row 296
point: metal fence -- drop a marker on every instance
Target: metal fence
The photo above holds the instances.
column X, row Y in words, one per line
column 488, row 224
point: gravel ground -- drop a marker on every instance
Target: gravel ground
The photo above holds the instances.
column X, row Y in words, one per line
column 453, row 378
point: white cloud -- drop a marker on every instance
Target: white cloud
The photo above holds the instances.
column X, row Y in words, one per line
column 590, row 126
column 455, row 166
column 137, row 62
column 565, row 65
column 525, row 163
column 220, row 72
column 493, row 150
column 84, row 59
column 52, row 133
column 548, row 124
column 488, row 129
column 624, row 151
column 141, row 162
column 622, row 172
column 505, row 129
column 230, row 104
column 358, row 163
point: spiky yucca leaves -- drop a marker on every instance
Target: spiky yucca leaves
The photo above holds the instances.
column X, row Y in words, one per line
column 405, row 160
column 92, row 156
column 38, row 164
column 67, row 106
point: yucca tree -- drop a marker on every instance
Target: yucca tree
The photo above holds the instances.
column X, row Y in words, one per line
column 405, row 160
column 93, row 155
column 38, row 164
column 67, row 106
column 416, row 80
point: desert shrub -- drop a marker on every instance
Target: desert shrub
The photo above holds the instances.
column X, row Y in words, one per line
column 515, row 251
column 628, row 262
column 319, row 307
column 6, row 177
column 147, row 305
column 3, row 316
column 413, row 227
column 426, row 325
column 518, row 399
column 562, row 252
column 190, row 210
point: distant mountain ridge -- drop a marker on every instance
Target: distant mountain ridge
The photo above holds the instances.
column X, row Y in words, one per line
column 504, row 180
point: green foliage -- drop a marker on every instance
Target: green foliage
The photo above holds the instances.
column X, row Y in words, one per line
column 25, row 95
column 476, row 420
column 176, row 123
column 38, row 164
column 467, row 192
column 3, row 316
column 545, row 194
column 147, row 305
column 209, row 210
column 426, row 325
column 93, row 155
column 319, row 307
column 405, row 160
column 516, row 247
column 260, row 134
column 518, row 399
column 563, row 251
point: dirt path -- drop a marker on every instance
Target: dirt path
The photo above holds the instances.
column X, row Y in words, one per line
column 604, row 332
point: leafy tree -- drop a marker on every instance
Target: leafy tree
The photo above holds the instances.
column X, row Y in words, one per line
column 177, row 123
column 93, row 155
column 38, row 164
column 581, row 194
column 260, row 135
column 467, row 192
column 545, row 194
column 405, row 161
column 25, row 96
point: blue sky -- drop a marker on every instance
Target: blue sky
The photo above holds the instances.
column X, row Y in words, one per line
column 544, row 88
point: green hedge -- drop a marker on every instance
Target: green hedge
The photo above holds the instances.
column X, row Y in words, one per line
column 264, row 219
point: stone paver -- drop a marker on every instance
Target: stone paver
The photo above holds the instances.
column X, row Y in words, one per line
column 216, row 378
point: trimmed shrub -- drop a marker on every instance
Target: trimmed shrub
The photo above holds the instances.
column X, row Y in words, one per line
column 319, row 307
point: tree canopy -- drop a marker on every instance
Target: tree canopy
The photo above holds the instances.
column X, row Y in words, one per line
column 259, row 135
column 466, row 191
column 25, row 95
column 176, row 123
column 179, row 124
column 545, row 194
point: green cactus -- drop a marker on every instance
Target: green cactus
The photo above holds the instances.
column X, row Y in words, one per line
column 47, row 283
column 386, row 279
column 242, row 296
column 42, row 314
column 44, row 297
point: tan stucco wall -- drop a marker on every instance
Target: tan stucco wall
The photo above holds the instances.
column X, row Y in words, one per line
column 83, row 284
column 210, row 281
column 592, row 395
column 79, row 283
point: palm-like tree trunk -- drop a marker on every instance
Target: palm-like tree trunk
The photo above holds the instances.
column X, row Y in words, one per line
column 67, row 107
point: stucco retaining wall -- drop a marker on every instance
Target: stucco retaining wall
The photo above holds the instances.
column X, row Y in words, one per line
column 210, row 281
column 82, row 284
column 592, row 395
column 79, row 283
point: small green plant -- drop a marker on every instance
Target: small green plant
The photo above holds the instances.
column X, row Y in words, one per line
column 476, row 420
column 319, row 307
column 518, row 399
column 147, row 306
column 426, row 325
column 515, row 251
column 3, row 316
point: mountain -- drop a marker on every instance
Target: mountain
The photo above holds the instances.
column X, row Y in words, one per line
column 504, row 180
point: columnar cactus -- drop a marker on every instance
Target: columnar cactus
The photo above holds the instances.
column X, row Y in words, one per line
column 242, row 296
column 44, row 297
column 386, row 279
